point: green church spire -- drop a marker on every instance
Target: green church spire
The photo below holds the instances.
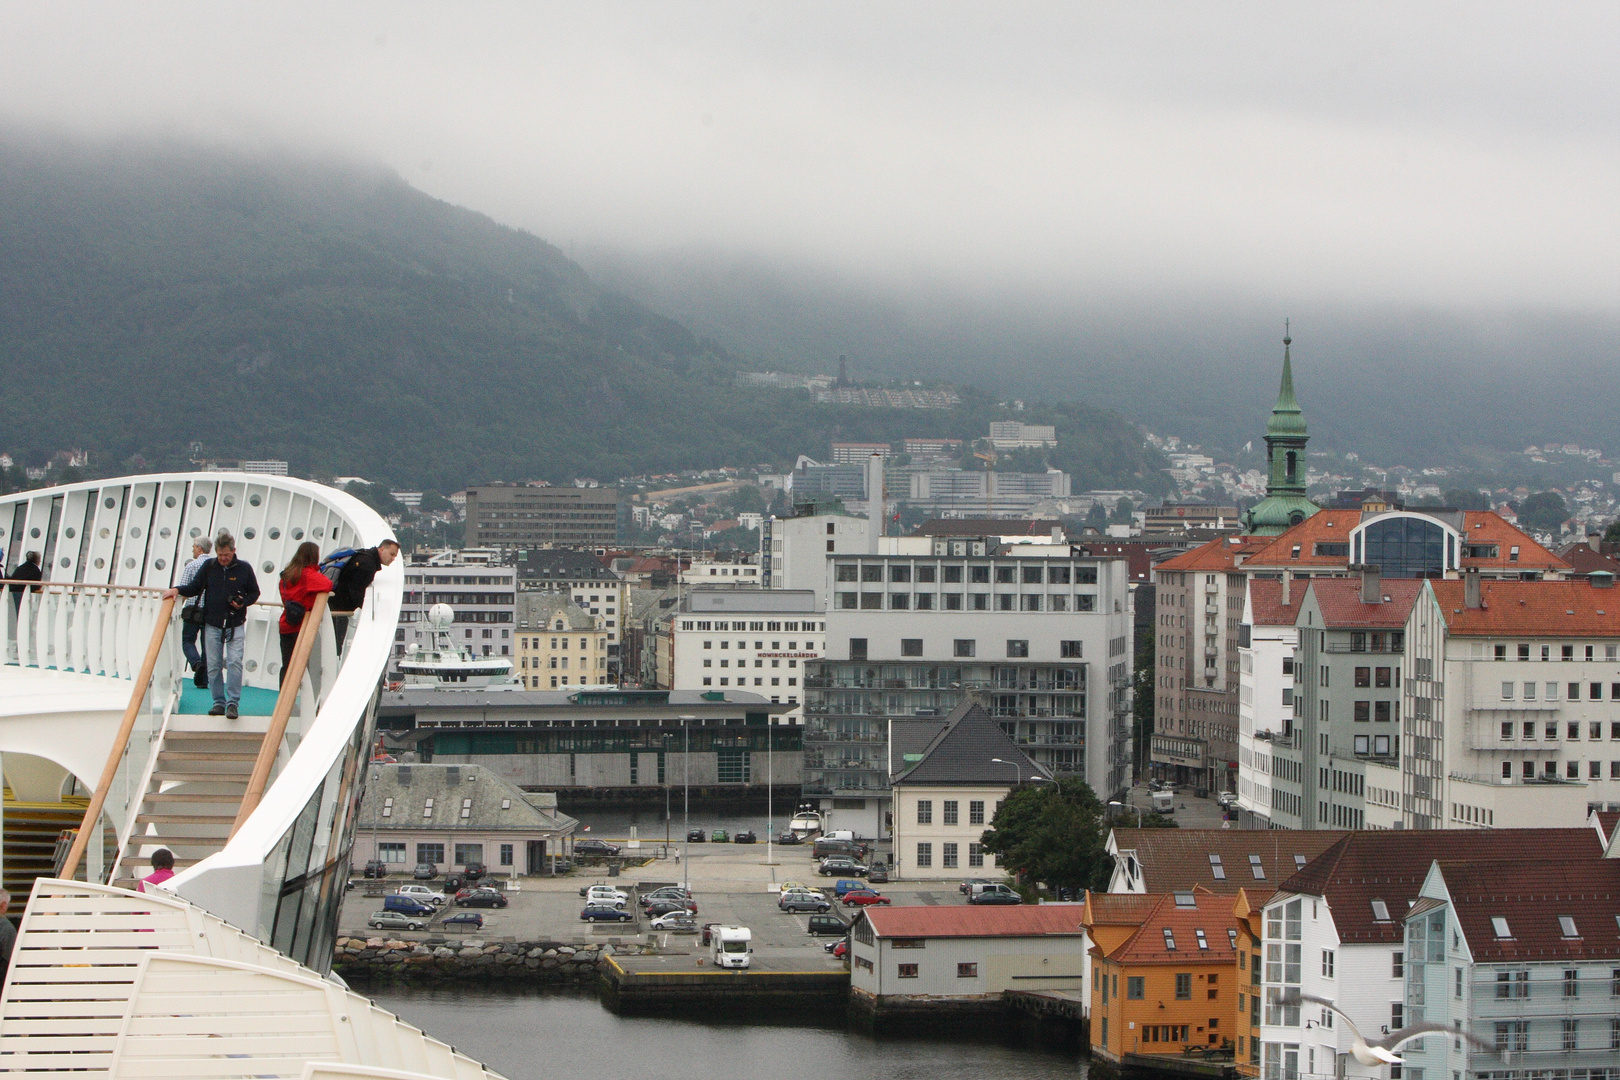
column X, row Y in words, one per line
column 1287, row 418
column 1285, row 504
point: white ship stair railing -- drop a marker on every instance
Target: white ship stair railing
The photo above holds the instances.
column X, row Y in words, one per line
column 110, row 983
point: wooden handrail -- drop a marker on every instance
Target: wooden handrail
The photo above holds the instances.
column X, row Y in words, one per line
column 292, row 680
column 98, row 800
column 72, row 586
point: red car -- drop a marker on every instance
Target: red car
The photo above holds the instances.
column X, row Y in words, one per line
column 841, row 949
column 864, row 898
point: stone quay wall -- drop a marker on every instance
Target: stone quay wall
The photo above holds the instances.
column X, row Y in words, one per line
column 538, row 963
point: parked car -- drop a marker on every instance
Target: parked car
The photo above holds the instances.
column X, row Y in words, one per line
column 839, row 948
column 994, row 893
column 696, row 836
column 864, row 898
column 483, row 898
column 595, row 847
column 821, row 925
column 423, row 893
column 603, row 913
column 668, row 896
column 789, row 839
column 604, row 889
column 376, row 869
column 474, row 870
column 674, row 920
column 604, row 898
column 847, row 885
column 803, row 901
column 720, row 836
column 1227, row 798
column 463, row 920
column 425, row 871
column 967, row 885
column 800, row 886
column 664, row 907
column 396, row 920
column 744, row 838
column 454, row 883
column 840, row 865
column 878, row 874
column 409, row 905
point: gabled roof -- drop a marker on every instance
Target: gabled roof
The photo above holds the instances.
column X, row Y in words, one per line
column 1548, row 608
column 1390, row 867
column 1533, row 897
column 1333, row 526
column 965, row 921
column 540, row 611
column 960, row 754
column 1583, row 560
column 1170, row 932
column 492, row 804
column 1118, row 909
column 1606, row 820
column 1179, row 859
column 565, row 564
column 910, row 737
column 1265, row 601
column 1222, row 553
column 1339, row 600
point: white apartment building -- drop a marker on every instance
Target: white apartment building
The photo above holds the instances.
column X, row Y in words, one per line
column 757, row 639
column 1267, row 644
column 722, row 572
column 1011, row 435
column 1512, row 707
column 482, row 596
column 794, row 551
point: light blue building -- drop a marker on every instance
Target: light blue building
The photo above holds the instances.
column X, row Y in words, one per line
column 1527, row 957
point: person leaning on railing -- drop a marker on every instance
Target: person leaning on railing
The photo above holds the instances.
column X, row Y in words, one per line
column 228, row 587
column 300, row 581
column 28, row 571
column 353, row 581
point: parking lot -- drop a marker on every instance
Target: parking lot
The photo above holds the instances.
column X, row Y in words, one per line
column 731, row 883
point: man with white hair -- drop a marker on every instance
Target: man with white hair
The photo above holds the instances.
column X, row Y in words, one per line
column 228, row 588
column 191, row 613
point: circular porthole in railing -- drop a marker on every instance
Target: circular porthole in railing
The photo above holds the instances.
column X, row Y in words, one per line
column 169, row 502
column 275, row 533
column 195, row 532
column 298, row 534
column 202, row 500
column 252, row 665
column 250, row 532
column 269, row 567
column 104, row 533
column 254, row 500
column 135, row 531
column 66, row 561
column 34, row 532
column 160, row 564
column 319, row 532
column 165, row 532
column 140, row 500
column 70, row 532
column 109, row 502
column 100, row 563
column 229, row 500
column 129, row 564
column 273, row 667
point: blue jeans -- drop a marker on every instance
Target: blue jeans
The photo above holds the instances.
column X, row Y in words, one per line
column 189, row 632
column 225, row 662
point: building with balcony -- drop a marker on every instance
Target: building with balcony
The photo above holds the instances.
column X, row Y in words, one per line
column 1038, row 635
column 1334, row 930
column 1522, row 954
column 1268, row 640
column 764, row 640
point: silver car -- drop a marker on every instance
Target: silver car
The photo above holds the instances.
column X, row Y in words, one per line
column 803, row 901
column 396, row 920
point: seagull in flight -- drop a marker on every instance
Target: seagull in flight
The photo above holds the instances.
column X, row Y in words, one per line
column 1382, row 1051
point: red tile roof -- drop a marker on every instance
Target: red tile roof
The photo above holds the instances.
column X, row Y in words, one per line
column 1340, row 602
column 1333, row 526
column 1222, row 553
column 1197, row 910
column 1390, row 866
column 1119, row 909
column 1265, row 601
column 1532, row 897
column 1550, row 608
column 1606, row 821
column 963, row 921
column 1179, row 859
column 1583, row 560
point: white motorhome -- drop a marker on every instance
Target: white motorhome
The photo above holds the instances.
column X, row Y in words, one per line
column 1164, row 802
column 732, row 947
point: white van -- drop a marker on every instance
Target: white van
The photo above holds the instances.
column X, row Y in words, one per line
column 1164, row 802
column 839, row 834
column 731, row 947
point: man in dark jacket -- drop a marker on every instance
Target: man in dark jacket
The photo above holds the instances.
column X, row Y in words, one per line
column 228, row 587
column 349, row 592
column 29, row 571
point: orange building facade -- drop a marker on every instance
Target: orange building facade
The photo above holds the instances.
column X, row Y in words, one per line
column 1171, row 976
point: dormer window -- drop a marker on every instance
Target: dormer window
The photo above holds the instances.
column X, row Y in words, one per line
column 1186, row 900
column 1203, row 942
column 1216, row 869
column 1169, row 940
column 1380, row 911
column 1499, row 926
column 1566, row 924
column 1256, row 868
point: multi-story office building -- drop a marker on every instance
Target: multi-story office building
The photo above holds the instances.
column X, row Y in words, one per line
column 1347, row 702
column 722, row 572
column 794, row 551
column 1510, row 698
column 1039, row 636
column 856, row 453
column 596, row 589
column 560, row 644
column 967, row 493
column 483, row 598
column 1265, row 689
column 1198, row 620
column 754, row 638
column 1181, row 517
column 1011, row 435
column 513, row 516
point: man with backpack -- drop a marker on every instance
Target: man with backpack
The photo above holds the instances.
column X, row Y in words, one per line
column 351, row 573
column 228, row 587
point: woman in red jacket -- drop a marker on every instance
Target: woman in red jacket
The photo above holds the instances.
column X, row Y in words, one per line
column 300, row 581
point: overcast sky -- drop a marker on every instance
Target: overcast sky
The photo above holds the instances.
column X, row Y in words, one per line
column 1428, row 153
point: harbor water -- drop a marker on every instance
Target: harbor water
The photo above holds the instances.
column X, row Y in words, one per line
column 531, row 1036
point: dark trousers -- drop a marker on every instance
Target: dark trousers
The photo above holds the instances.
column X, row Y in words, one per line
column 340, row 630
column 287, row 643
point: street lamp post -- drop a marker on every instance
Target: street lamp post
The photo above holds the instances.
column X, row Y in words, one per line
column 664, row 762
column 686, row 809
column 1018, row 770
column 1138, row 809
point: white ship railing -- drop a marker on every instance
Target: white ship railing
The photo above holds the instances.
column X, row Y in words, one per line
column 109, row 983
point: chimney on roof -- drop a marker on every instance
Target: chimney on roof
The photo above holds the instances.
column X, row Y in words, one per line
column 1471, row 597
column 1372, row 585
column 1595, row 542
column 1288, row 587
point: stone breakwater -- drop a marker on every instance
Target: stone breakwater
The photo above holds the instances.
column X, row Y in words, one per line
column 534, row 962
